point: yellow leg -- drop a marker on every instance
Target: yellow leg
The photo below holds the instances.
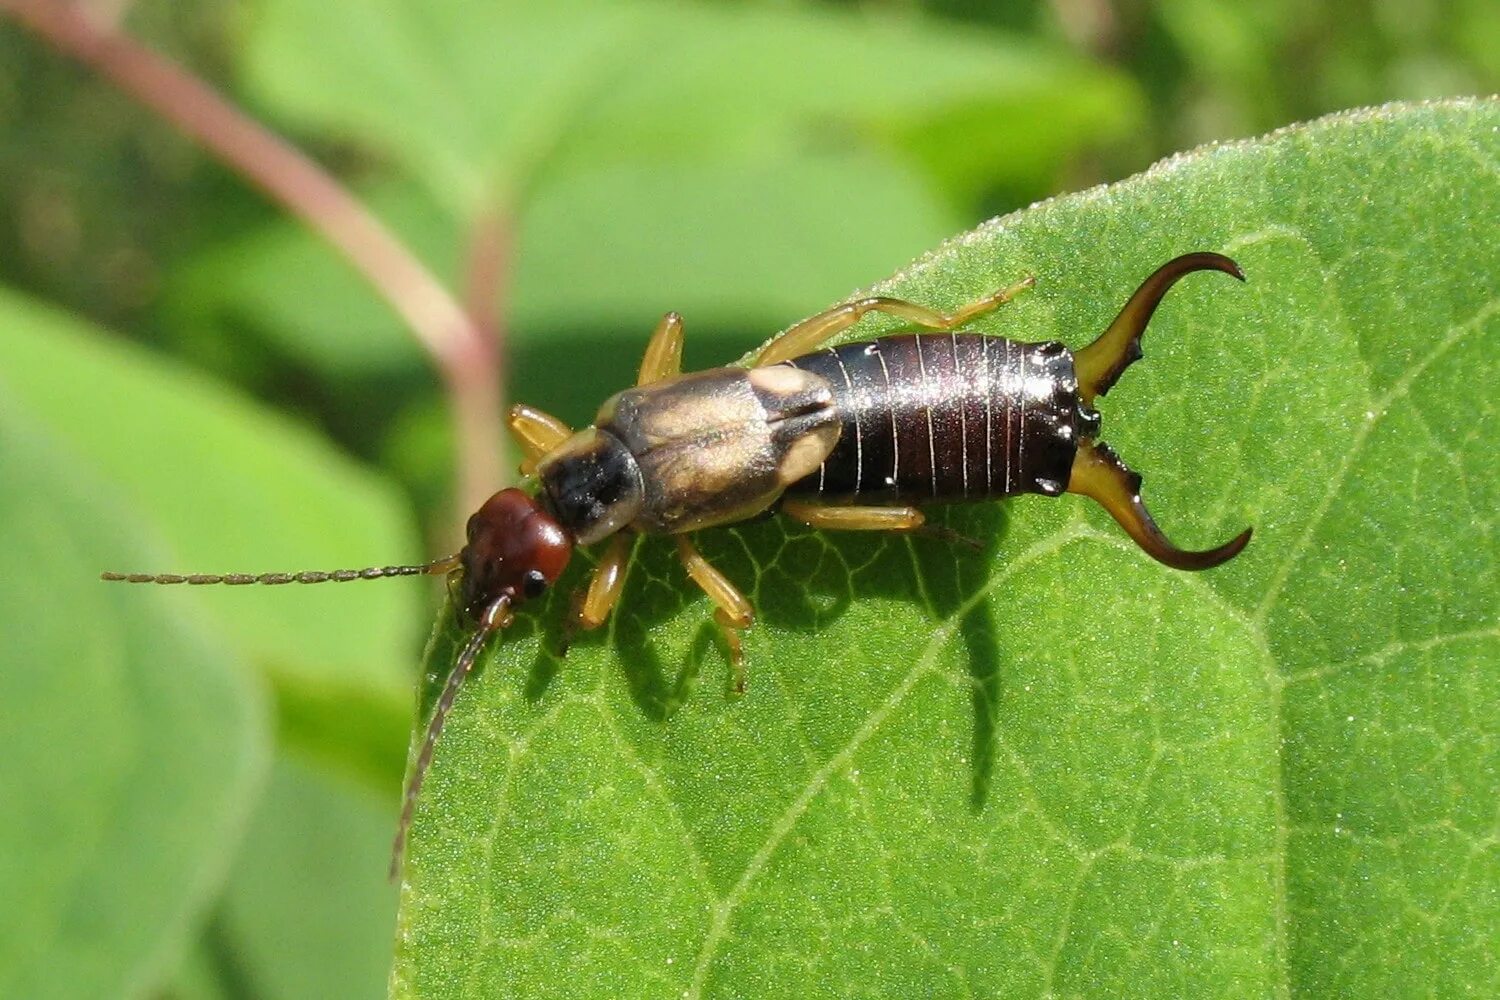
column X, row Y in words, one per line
column 814, row 330
column 663, row 351
column 732, row 613
column 537, row 433
column 605, row 584
column 827, row 517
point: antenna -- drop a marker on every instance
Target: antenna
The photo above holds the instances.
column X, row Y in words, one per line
column 495, row 617
column 438, row 567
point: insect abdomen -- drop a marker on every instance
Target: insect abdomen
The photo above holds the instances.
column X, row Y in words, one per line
column 944, row 417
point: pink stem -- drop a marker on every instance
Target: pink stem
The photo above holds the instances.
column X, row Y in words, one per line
column 467, row 359
column 486, row 288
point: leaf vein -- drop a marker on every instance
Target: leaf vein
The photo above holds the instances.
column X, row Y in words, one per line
column 1378, row 411
column 719, row 922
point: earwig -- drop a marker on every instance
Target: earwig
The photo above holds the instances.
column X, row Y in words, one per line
column 855, row 437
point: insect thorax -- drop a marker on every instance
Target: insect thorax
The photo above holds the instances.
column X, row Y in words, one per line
column 720, row 446
column 592, row 485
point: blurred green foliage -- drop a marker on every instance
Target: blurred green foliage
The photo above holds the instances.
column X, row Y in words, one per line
column 745, row 164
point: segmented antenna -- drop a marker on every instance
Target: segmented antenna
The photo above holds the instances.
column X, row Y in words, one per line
column 495, row 617
column 438, row 567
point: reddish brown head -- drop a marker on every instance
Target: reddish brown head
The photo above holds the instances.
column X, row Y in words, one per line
column 515, row 550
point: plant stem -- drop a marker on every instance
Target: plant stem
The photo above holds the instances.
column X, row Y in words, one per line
column 467, row 353
column 486, row 288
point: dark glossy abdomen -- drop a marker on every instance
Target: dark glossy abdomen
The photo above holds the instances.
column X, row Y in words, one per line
column 945, row 417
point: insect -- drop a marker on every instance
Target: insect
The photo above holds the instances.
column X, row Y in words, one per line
column 856, row 437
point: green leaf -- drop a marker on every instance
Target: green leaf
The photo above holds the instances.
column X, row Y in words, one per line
column 472, row 97
column 600, row 250
column 135, row 742
column 308, row 908
column 724, row 242
column 230, row 488
column 1057, row 767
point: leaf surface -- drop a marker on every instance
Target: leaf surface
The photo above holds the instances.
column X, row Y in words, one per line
column 598, row 251
column 136, row 741
column 1057, row 768
column 308, row 909
column 212, row 474
column 470, row 98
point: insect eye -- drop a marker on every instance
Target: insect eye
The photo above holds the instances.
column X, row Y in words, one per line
column 533, row 583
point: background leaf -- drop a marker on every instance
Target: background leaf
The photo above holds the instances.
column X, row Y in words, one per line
column 1058, row 767
column 471, row 98
column 598, row 250
column 137, row 741
column 308, row 909
column 207, row 467
column 141, row 742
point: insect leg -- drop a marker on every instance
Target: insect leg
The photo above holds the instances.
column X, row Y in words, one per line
column 828, row 517
column 605, row 584
column 663, row 357
column 537, row 433
column 732, row 611
column 814, row 330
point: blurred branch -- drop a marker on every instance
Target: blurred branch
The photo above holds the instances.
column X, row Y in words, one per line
column 488, row 265
column 1092, row 26
column 106, row 13
column 465, row 348
column 485, row 289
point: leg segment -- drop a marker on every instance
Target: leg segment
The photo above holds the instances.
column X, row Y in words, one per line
column 814, row 330
column 537, row 433
column 605, row 584
column 826, row 517
column 829, row 517
column 663, row 351
column 732, row 613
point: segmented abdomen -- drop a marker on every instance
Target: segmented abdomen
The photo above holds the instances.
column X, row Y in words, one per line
column 946, row 416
